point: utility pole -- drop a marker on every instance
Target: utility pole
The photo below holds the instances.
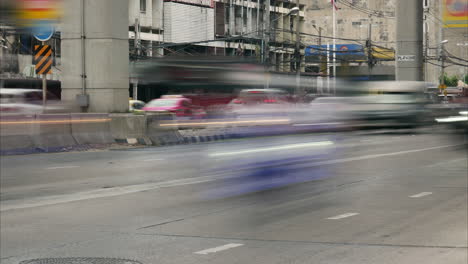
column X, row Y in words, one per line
column 328, row 67
column 370, row 60
column 136, row 44
column 334, row 45
column 298, row 53
column 266, row 34
column 426, row 42
column 266, row 42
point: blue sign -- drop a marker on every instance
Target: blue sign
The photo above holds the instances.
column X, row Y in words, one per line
column 43, row 31
column 342, row 50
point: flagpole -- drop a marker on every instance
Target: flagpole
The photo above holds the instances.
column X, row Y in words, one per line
column 334, row 44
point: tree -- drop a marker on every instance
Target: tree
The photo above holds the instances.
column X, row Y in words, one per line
column 451, row 81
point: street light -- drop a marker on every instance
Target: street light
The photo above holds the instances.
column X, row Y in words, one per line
column 293, row 11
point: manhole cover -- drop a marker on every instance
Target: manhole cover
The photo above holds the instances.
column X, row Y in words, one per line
column 80, row 261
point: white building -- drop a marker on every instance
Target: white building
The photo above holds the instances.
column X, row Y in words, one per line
column 215, row 27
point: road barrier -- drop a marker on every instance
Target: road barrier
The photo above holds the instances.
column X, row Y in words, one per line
column 60, row 132
column 17, row 131
column 129, row 128
column 91, row 128
column 53, row 131
column 162, row 135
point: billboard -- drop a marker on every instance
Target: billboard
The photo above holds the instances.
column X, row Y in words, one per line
column 455, row 13
column 352, row 52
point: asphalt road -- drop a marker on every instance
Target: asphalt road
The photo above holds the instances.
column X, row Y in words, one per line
column 379, row 198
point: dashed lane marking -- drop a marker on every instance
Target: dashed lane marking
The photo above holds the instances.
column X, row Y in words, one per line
column 153, row 159
column 217, row 249
column 341, row 216
column 420, row 195
column 62, row 167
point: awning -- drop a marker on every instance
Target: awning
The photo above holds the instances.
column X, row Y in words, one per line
column 383, row 53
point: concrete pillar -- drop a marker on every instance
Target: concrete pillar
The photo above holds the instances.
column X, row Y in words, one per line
column 103, row 59
column 409, row 50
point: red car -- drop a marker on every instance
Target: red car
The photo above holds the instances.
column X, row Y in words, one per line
column 182, row 107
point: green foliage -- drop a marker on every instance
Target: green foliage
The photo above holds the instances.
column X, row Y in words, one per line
column 451, row 81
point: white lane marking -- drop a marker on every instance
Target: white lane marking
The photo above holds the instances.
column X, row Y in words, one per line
column 217, row 249
column 420, row 195
column 283, row 147
column 342, row 216
column 98, row 193
column 374, row 156
column 153, row 159
column 116, row 191
column 62, row 167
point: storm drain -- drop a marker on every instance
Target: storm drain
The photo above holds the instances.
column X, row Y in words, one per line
column 80, row 261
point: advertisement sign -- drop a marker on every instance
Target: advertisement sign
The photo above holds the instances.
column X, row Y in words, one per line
column 455, row 13
column 39, row 16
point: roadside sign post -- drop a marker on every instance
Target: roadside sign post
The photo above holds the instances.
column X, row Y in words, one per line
column 40, row 16
column 43, row 61
column 43, row 33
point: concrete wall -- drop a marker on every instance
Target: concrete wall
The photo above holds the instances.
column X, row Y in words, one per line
column 107, row 62
column 157, row 14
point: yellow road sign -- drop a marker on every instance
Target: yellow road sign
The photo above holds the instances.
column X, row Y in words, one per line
column 43, row 59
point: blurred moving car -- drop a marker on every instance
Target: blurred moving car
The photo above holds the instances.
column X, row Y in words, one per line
column 260, row 103
column 249, row 97
column 458, row 122
column 248, row 167
column 181, row 106
column 27, row 101
column 135, row 105
column 324, row 114
column 390, row 104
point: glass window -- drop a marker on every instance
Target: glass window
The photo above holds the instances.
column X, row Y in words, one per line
column 142, row 5
column 163, row 102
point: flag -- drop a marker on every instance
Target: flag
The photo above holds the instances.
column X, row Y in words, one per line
column 333, row 2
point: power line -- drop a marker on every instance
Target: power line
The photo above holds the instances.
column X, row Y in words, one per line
column 365, row 10
column 453, row 56
column 457, row 63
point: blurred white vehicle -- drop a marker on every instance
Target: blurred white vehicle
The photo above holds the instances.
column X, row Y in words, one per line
column 27, row 101
column 324, row 113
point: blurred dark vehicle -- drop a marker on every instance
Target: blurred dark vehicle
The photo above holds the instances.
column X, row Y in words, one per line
column 27, row 101
column 391, row 105
column 181, row 106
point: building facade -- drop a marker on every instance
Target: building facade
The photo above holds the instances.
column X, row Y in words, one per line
column 358, row 21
